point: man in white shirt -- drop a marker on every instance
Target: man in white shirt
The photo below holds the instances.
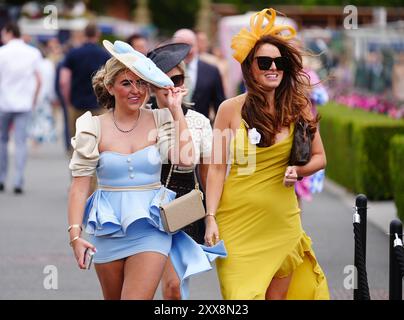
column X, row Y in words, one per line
column 19, row 87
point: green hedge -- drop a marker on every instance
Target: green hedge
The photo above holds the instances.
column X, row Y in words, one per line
column 396, row 173
column 357, row 148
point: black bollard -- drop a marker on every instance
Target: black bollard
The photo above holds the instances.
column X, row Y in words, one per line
column 361, row 204
column 359, row 221
column 395, row 280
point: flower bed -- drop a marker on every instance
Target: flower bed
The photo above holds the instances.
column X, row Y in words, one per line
column 372, row 103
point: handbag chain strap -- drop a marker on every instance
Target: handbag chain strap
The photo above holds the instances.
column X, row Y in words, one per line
column 168, row 181
column 170, row 173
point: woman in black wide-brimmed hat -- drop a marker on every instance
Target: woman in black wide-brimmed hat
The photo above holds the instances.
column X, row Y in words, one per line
column 169, row 58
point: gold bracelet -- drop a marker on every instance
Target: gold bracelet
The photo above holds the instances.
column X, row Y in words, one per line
column 74, row 226
column 74, row 239
column 211, row 214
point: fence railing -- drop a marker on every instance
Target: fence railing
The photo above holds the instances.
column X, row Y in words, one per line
column 396, row 266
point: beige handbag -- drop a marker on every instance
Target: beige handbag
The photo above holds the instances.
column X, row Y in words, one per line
column 184, row 210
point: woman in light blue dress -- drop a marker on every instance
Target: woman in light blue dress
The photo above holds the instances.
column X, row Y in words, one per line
column 125, row 148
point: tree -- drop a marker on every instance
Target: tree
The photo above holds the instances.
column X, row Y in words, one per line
column 171, row 15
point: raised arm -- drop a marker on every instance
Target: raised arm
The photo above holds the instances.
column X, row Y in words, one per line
column 182, row 152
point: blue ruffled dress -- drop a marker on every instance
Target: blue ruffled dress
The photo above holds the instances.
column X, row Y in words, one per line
column 122, row 216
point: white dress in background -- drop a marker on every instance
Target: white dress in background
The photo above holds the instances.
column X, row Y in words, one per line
column 42, row 128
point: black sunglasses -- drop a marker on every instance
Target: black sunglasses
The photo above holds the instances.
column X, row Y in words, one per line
column 178, row 80
column 265, row 63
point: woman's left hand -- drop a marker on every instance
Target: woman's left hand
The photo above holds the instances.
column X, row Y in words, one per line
column 290, row 176
column 174, row 98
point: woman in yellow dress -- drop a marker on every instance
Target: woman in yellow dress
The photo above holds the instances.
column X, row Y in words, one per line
column 255, row 206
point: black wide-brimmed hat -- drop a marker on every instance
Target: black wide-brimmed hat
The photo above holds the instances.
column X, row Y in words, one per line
column 170, row 55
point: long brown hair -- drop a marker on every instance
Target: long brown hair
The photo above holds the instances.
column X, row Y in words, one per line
column 291, row 100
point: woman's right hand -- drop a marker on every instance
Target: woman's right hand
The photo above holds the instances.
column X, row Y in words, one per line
column 211, row 231
column 174, row 99
column 79, row 248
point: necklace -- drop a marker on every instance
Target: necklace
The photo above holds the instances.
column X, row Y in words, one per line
column 125, row 131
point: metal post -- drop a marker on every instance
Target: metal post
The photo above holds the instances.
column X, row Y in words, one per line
column 395, row 281
column 356, row 220
column 362, row 208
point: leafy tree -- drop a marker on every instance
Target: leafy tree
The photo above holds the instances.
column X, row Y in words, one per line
column 173, row 14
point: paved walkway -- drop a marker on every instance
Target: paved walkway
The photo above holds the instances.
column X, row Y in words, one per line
column 33, row 238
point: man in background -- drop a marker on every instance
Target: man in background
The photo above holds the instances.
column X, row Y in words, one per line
column 213, row 55
column 204, row 80
column 20, row 83
column 76, row 75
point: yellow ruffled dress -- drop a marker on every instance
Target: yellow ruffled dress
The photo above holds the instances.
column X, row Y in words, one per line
column 259, row 221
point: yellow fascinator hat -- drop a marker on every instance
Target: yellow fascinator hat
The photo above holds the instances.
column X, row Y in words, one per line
column 243, row 42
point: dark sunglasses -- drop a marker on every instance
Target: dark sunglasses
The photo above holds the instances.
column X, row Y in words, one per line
column 265, row 63
column 178, row 80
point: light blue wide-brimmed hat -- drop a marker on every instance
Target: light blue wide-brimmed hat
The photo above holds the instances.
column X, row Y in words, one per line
column 138, row 63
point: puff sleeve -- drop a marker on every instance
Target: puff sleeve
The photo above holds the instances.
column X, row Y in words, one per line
column 85, row 144
column 165, row 132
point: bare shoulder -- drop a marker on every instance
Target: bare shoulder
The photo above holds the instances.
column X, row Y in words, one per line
column 229, row 112
column 233, row 105
column 105, row 115
column 159, row 116
column 147, row 112
column 104, row 118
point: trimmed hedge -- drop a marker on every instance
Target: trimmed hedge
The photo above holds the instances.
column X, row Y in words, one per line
column 357, row 148
column 396, row 174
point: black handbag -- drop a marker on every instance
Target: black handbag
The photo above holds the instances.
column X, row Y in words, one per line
column 301, row 146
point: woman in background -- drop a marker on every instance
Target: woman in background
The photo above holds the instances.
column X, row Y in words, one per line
column 169, row 58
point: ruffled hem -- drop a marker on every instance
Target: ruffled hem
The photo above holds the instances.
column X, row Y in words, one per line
column 110, row 213
column 295, row 259
column 190, row 258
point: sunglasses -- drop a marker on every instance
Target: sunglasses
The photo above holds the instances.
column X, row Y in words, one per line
column 178, row 80
column 265, row 63
column 139, row 84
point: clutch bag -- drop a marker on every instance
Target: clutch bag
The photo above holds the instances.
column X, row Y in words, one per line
column 184, row 210
column 301, row 146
